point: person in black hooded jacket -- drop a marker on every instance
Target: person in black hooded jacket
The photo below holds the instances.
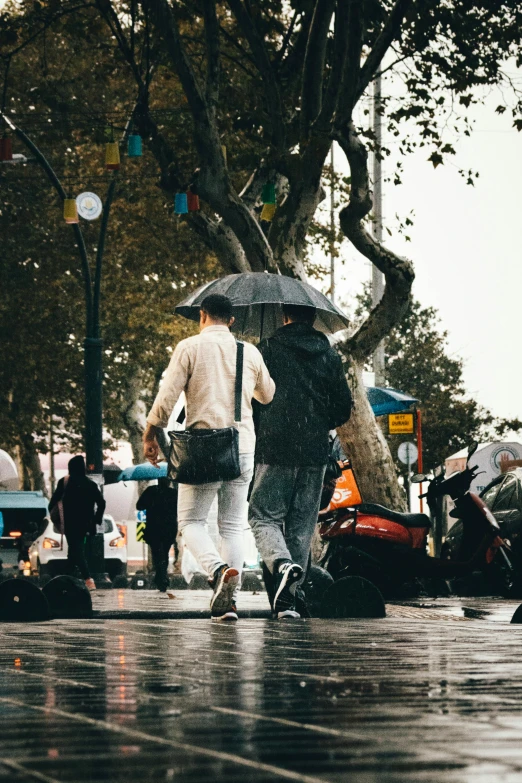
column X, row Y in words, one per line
column 311, row 398
column 79, row 495
column 160, row 503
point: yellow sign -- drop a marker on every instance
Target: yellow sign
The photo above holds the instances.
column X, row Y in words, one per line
column 400, row 423
column 140, row 531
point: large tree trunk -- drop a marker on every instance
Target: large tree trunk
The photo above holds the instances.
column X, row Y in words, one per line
column 366, row 445
column 32, row 476
column 134, row 416
column 362, row 436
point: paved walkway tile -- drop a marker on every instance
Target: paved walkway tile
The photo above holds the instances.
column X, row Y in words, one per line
column 397, row 700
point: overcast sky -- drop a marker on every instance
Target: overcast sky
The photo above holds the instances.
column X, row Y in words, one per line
column 466, row 248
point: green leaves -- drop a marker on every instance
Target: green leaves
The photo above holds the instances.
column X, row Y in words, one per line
column 436, row 158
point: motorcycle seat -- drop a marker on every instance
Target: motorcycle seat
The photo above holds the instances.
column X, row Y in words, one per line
column 407, row 520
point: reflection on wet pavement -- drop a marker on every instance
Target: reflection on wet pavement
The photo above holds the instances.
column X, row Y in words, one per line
column 382, row 701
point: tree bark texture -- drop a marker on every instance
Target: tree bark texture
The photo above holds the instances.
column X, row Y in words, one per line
column 32, row 477
column 364, row 441
column 134, row 416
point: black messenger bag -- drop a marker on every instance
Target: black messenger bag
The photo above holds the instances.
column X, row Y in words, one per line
column 204, row 456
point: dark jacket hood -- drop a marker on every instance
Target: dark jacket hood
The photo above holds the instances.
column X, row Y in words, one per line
column 306, row 341
column 76, row 467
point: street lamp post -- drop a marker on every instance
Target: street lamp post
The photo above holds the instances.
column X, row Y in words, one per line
column 93, row 343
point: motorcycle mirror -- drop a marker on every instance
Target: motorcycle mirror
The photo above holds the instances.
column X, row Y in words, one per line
column 472, row 449
column 418, row 478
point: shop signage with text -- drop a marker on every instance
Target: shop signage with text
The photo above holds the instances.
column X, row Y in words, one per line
column 400, row 424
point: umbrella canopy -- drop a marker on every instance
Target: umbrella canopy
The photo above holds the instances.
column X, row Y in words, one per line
column 111, row 472
column 257, row 299
column 8, row 472
column 143, row 472
column 384, row 401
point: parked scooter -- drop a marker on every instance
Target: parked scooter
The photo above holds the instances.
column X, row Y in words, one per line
column 498, row 574
column 390, row 548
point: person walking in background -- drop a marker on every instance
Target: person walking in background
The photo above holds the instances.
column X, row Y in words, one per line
column 79, row 496
column 160, row 503
column 204, row 367
column 311, row 398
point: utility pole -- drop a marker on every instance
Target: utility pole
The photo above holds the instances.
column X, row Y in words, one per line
column 332, row 225
column 52, row 475
column 377, row 276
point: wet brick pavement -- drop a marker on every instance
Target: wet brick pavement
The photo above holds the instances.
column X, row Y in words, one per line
column 426, row 694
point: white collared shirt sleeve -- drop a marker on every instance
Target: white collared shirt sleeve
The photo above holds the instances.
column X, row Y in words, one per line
column 175, row 381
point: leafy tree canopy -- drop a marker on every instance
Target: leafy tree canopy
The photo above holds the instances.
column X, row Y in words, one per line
column 418, row 362
column 150, row 262
column 274, row 83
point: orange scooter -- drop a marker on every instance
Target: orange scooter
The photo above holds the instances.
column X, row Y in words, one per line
column 390, row 548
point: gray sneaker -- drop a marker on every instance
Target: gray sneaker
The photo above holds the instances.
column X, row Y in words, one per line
column 224, row 583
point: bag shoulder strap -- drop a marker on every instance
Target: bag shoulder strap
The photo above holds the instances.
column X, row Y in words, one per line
column 239, row 380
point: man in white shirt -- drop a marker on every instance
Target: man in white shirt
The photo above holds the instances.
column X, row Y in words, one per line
column 204, row 367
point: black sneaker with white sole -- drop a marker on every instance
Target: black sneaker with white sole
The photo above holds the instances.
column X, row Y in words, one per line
column 224, row 583
column 288, row 614
column 284, row 597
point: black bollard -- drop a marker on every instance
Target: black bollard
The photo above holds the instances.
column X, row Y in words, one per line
column 316, row 583
column 352, row 596
column 68, row 598
column 22, row 602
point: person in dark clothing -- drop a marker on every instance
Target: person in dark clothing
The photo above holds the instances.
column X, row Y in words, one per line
column 160, row 502
column 311, row 398
column 79, row 496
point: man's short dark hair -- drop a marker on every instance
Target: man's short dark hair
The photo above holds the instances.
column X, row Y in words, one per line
column 300, row 313
column 217, row 306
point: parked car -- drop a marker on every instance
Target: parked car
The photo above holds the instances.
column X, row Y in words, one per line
column 49, row 550
column 22, row 519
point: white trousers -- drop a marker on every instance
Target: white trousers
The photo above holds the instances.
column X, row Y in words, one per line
column 194, row 502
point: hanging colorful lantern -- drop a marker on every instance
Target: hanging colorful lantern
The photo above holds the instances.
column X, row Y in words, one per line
column 268, row 212
column 180, row 204
column 6, row 149
column 134, row 146
column 268, row 195
column 70, row 211
column 112, row 156
column 192, row 201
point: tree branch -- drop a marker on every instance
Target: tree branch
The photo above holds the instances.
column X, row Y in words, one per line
column 385, row 39
column 213, row 182
column 286, row 40
column 48, row 24
column 398, row 272
column 111, row 17
column 313, row 68
column 213, row 59
column 340, row 47
column 221, row 241
column 263, row 64
column 346, row 98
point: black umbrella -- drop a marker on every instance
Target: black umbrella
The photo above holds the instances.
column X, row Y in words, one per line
column 111, row 472
column 257, row 299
